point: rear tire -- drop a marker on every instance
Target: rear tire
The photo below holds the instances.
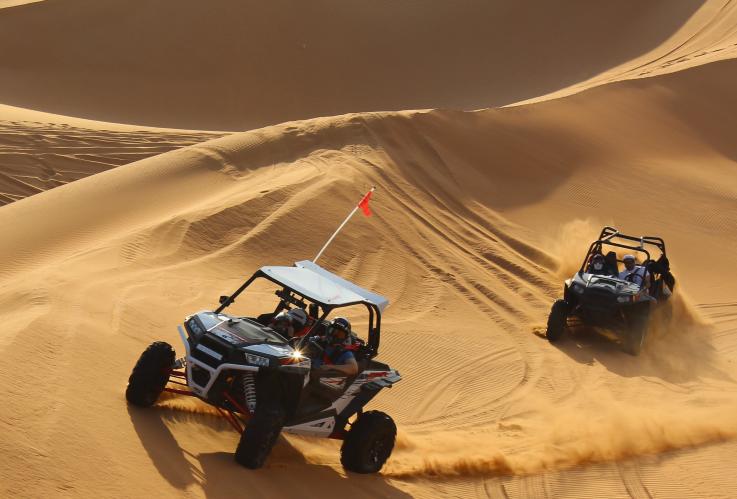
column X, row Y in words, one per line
column 259, row 437
column 557, row 321
column 369, row 443
column 150, row 374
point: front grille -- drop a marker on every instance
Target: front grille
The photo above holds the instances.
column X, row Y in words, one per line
column 204, row 358
column 599, row 299
column 200, row 376
column 213, row 346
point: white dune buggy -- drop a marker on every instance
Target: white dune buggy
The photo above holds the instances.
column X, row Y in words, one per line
column 262, row 382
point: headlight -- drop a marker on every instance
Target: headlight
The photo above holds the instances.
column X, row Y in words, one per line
column 296, row 359
column 625, row 299
column 194, row 326
column 256, row 360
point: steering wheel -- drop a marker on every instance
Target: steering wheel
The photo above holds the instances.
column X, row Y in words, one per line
column 313, row 348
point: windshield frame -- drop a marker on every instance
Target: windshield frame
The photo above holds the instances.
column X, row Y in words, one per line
column 287, row 296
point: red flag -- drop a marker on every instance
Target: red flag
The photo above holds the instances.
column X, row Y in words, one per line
column 364, row 203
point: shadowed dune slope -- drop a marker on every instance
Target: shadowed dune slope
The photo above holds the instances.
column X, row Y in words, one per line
column 231, row 64
column 709, row 35
column 470, row 240
column 219, row 79
column 38, row 156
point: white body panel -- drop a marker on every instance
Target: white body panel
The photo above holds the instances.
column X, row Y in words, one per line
column 325, row 426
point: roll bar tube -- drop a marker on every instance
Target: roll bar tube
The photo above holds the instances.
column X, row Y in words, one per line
column 609, row 233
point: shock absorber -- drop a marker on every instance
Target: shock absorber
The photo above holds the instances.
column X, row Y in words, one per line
column 249, row 390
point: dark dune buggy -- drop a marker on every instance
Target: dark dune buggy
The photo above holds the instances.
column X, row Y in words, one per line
column 592, row 298
column 261, row 383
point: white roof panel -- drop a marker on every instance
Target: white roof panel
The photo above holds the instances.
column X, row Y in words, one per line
column 312, row 281
column 369, row 296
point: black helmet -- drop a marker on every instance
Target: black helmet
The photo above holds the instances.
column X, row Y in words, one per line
column 339, row 331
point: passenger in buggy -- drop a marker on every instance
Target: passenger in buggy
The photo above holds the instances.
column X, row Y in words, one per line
column 637, row 274
column 333, row 351
column 633, row 273
column 289, row 323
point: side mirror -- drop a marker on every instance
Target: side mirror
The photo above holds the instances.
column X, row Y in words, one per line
column 224, row 300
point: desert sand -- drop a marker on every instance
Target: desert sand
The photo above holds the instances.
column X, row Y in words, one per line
column 501, row 136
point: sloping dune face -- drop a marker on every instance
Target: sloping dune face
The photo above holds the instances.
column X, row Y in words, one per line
column 474, row 227
column 478, row 217
column 37, row 156
column 234, row 65
column 211, row 65
column 707, row 36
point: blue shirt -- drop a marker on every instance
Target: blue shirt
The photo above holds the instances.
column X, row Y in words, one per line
column 343, row 358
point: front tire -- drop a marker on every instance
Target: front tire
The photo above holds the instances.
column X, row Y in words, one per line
column 369, row 443
column 150, row 374
column 634, row 336
column 557, row 321
column 259, row 437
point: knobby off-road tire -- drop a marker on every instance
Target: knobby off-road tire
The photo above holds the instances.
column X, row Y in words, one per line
column 634, row 336
column 150, row 375
column 259, row 437
column 369, row 443
column 557, row 321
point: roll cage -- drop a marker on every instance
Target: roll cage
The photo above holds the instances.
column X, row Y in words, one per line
column 310, row 304
column 612, row 237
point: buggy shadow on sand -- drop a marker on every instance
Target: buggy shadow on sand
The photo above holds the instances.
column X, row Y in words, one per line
column 262, row 383
column 602, row 299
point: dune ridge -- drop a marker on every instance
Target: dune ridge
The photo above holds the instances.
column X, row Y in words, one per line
column 708, row 36
column 213, row 66
column 41, row 156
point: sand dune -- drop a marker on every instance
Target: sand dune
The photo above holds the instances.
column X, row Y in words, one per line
column 212, row 66
column 40, row 151
column 709, row 35
column 41, row 156
column 16, row 3
column 502, row 403
column 478, row 218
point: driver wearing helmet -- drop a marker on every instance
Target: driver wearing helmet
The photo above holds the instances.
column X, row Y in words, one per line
column 335, row 355
column 604, row 265
column 598, row 265
column 290, row 323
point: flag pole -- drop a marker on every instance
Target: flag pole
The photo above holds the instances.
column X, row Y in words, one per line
column 355, row 209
